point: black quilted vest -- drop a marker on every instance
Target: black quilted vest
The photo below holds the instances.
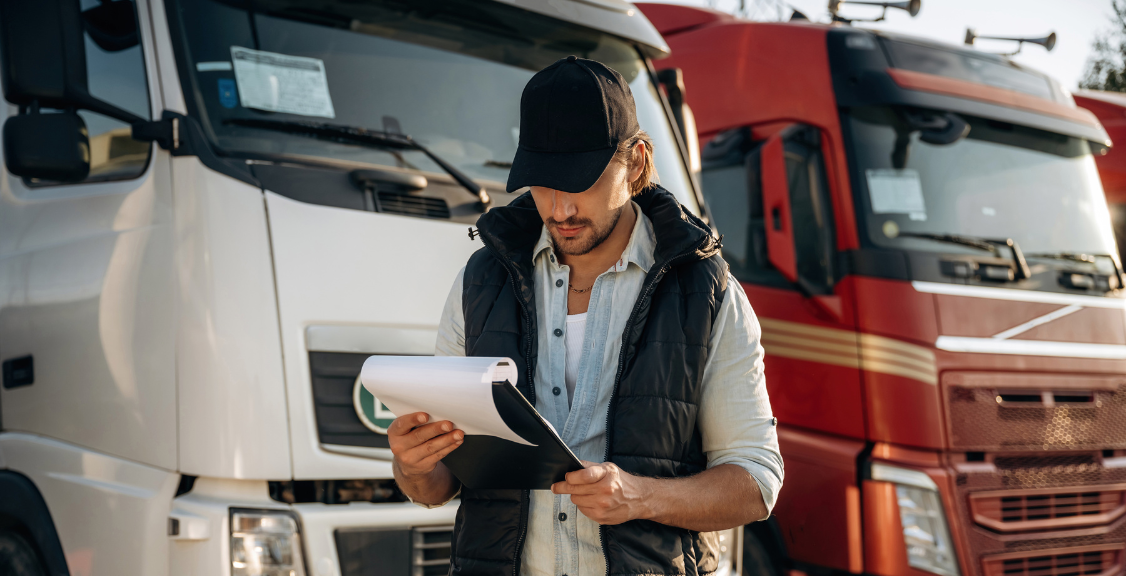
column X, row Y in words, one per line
column 652, row 419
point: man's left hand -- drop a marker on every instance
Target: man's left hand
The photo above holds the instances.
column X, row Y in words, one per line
column 605, row 494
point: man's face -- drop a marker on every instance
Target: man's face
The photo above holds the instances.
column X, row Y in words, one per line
column 578, row 223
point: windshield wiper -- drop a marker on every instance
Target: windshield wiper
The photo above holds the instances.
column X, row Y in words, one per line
column 1073, row 256
column 986, row 244
column 955, row 239
column 364, row 137
column 1081, row 257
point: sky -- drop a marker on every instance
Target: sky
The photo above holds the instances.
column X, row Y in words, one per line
column 1075, row 22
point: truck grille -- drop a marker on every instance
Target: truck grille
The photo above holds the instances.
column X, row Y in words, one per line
column 431, row 551
column 333, row 379
column 418, row 206
column 987, row 414
column 1028, row 509
column 1086, row 561
column 421, row 551
column 1048, row 509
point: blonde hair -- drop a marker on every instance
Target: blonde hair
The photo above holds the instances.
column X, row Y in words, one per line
column 648, row 169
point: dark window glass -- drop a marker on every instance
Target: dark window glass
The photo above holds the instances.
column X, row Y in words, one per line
column 116, row 76
column 732, row 187
column 450, row 74
column 1039, row 188
column 1118, row 220
column 809, row 206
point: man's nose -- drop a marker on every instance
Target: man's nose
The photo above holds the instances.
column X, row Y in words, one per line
column 562, row 207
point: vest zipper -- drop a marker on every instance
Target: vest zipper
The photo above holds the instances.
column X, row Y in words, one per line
column 525, row 499
column 622, row 365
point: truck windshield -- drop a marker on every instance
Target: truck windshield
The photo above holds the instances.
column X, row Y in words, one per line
column 1038, row 188
column 448, row 74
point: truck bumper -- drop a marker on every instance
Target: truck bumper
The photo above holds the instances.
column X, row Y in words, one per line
column 203, row 543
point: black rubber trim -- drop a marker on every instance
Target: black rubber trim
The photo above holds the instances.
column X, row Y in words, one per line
column 22, row 506
column 193, row 142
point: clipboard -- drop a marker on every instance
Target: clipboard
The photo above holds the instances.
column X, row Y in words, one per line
column 490, row 463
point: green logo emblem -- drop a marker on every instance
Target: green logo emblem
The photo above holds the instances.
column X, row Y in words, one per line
column 374, row 415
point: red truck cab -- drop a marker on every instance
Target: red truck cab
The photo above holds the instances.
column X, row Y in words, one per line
column 922, row 232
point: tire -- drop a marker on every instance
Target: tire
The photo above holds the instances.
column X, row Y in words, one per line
column 17, row 557
column 756, row 559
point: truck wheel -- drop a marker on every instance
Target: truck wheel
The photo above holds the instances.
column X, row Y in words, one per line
column 17, row 557
column 756, row 559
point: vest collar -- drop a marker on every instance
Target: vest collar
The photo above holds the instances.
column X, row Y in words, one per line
column 512, row 231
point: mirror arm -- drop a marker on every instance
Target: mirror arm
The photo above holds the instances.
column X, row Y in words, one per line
column 88, row 102
column 165, row 132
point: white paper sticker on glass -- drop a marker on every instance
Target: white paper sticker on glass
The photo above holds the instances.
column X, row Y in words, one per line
column 281, row 83
column 896, row 192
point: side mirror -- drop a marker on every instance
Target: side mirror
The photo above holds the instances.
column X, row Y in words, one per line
column 112, row 25
column 52, row 147
column 43, row 53
column 776, row 208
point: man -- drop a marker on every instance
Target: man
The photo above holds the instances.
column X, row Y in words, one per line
column 631, row 339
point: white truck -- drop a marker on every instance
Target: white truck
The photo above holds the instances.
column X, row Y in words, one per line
column 211, row 212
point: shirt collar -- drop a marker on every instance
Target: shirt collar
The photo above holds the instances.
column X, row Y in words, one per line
column 639, row 250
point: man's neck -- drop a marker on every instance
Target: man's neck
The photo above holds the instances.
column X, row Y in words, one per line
column 603, row 256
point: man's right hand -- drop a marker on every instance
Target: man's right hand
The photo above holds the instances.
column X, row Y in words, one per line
column 419, row 447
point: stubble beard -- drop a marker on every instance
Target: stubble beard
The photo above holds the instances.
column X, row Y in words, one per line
column 580, row 246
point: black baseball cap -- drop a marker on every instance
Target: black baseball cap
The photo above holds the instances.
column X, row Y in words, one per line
column 573, row 114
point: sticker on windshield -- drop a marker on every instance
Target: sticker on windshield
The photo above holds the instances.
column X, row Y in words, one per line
column 227, row 93
column 896, row 192
column 281, row 83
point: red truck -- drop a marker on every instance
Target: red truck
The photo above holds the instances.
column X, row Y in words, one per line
column 1110, row 109
column 923, row 234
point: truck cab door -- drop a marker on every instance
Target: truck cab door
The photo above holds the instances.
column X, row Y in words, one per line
column 768, row 195
column 769, row 198
column 85, row 256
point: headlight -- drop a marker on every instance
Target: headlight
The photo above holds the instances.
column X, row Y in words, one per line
column 265, row 543
column 925, row 533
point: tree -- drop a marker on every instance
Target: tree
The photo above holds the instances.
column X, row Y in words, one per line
column 1106, row 68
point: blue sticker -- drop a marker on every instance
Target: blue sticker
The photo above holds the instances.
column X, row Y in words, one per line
column 227, row 95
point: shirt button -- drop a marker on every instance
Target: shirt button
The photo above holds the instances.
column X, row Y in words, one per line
column 558, row 283
column 773, row 421
column 555, row 390
column 558, row 332
column 552, row 257
column 562, row 516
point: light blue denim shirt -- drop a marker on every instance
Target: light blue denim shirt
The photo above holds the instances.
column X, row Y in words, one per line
column 734, row 418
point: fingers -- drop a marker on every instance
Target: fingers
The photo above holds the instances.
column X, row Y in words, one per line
column 589, row 475
column 422, row 458
column 458, row 438
column 407, row 439
column 418, row 446
column 405, row 423
column 585, row 481
column 573, row 489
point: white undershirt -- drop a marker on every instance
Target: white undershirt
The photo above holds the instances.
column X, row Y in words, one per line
column 576, row 332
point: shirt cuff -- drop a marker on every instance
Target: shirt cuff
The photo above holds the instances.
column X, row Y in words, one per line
column 769, row 484
column 430, row 506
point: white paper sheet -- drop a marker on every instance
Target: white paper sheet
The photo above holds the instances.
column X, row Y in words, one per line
column 447, row 388
column 282, row 83
column 896, row 192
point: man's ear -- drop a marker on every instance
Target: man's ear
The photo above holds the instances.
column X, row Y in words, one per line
column 636, row 161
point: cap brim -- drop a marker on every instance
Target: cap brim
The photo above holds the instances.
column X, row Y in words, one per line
column 567, row 171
